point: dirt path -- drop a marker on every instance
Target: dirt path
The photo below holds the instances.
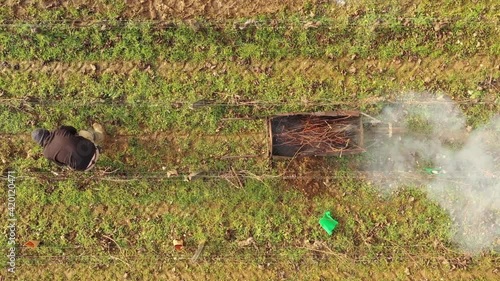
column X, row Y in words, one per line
column 160, row 9
column 184, row 9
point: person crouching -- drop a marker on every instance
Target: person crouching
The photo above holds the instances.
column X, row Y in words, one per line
column 65, row 147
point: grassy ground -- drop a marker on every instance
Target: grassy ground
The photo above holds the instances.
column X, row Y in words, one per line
column 142, row 75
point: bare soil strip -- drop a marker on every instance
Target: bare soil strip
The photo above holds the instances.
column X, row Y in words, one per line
column 161, row 9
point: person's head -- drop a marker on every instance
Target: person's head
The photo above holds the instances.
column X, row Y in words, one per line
column 40, row 136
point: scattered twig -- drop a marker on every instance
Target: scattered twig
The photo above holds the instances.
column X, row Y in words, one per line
column 107, row 172
column 117, row 258
column 320, row 134
column 237, row 177
column 111, row 239
column 371, row 117
column 198, row 252
column 226, row 177
column 329, row 252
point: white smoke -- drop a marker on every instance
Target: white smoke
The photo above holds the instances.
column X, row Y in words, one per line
column 424, row 140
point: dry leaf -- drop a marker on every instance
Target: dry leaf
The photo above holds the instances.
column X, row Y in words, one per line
column 172, row 173
column 178, row 244
column 246, row 243
column 311, row 24
column 191, row 176
column 32, row 244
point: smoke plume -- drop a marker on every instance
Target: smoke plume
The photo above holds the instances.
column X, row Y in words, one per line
column 423, row 140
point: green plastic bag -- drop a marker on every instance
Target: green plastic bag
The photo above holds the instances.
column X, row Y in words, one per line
column 328, row 223
column 432, row 171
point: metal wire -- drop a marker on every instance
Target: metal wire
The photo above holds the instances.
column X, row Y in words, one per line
column 267, row 256
column 323, row 102
column 207, row 22
column 131, row 176
column 157, row 255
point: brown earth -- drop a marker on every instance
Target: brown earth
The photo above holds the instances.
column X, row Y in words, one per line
column 310, row 175
column 168, row 9
column 162, row 9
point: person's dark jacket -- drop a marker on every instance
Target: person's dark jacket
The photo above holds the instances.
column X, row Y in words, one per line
column 64, row 147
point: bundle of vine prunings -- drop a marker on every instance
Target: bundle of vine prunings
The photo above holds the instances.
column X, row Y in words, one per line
column 323, row 134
